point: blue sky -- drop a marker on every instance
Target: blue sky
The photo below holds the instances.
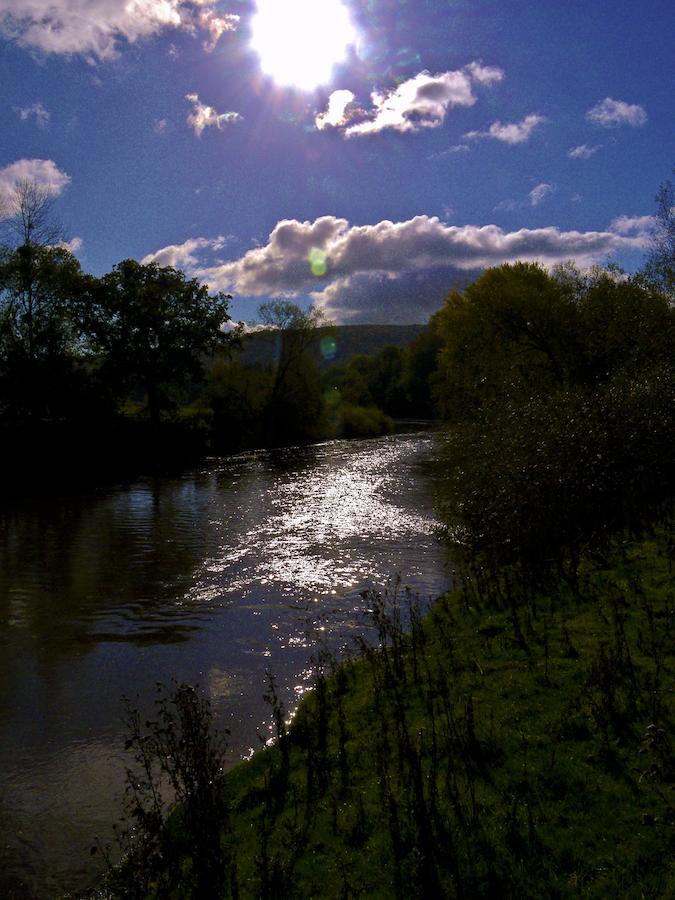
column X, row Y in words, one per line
column 448, row 136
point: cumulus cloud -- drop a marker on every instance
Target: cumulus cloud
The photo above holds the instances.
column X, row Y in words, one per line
column 74, row 245
column 37, row 110
column 406, row 299
column 185, row 255
column 420, row 102
column 613, row 113
column 336, row 112
column 539, row 193
column 510, row 132
column 42, row 172
column 203, row 116
column 95, row 28
column 363, row 261
column 640, row 225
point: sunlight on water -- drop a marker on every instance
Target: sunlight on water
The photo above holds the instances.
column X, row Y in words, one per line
column 212, row 578
column 319, row 532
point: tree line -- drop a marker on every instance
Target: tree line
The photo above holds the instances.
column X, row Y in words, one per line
column 140, row 361
column 73, row 345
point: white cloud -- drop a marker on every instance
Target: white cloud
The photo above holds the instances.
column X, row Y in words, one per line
column 203, row 116
column 74, row 245
column 613, row 113
column 43, row 172
column 420, row 102
column 583, row 151
column 640, row 225
column 334, row 115
column 159, row 126
column 37, row 110
column 539, row 193
column 95, row 28
column 185, row 255
column 510, row 132
column 216, row 26
column 484, row 74
column 389, row 250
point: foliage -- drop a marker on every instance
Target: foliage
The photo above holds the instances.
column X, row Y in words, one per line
column 420, row 367
column 40, row 283
column 351, row 420
column 396, row 380
column 154, row 325
column 38, row 287
column 541, row 478
column 175, row 756
column 294, row 407
column 237, row 396
column 660, row 264
column 519, row 330
column 559, row 391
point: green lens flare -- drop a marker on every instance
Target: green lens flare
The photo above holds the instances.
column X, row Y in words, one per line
column 328, row 348
column 318, row 262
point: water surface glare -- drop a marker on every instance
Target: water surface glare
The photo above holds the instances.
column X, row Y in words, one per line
column 212, row 577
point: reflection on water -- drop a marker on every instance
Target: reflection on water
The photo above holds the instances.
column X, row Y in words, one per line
column 212, row 578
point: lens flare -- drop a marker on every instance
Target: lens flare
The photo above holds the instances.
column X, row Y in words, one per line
column 318, row 262
column 299, row 42
column 328, row 347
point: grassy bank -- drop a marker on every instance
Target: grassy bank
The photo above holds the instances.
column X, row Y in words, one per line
column 510, row 743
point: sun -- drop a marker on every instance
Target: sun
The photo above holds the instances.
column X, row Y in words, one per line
column 299, row 42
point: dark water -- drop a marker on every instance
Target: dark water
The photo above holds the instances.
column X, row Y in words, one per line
column 212, row 578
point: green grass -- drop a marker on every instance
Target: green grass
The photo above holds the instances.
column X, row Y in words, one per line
column 516, row 745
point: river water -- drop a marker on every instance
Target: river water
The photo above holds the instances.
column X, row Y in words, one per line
column 212, row 577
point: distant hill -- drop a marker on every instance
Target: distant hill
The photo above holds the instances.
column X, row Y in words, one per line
column 350, row 340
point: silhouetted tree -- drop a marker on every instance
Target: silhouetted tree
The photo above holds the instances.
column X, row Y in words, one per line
column 512, row 326
column 520, row 329
column 295, row 403
column 420, row 369
column 153, row 325
column 660, row 266
column 40, row 282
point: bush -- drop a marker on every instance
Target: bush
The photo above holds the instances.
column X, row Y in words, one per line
column 362, row 421
column 537, row 480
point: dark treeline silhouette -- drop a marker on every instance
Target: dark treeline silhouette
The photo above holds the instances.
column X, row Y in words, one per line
column 139, row 368
column 559, row 392
column 76, row 352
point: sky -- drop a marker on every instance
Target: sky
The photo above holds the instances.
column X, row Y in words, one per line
column 363, row 156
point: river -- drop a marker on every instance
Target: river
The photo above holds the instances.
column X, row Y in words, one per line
column 212, row 577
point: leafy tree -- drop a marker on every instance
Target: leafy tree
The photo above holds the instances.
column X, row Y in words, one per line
column 660, row 266
column 152, row 325
column 295, row 403
column 238, row 395
column 519, row 330
column 40, row 283
column 38, row 286
column 420, row 371
column 622, row 324
column 512, row 327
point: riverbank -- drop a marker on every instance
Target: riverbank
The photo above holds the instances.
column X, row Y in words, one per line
column 52, row 457
column 512, row 744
